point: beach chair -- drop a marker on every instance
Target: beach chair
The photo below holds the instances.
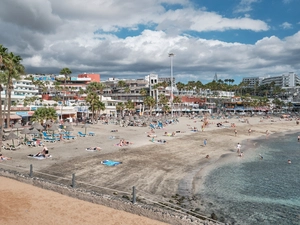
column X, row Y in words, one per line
column 152, row 126
column 48, row 139
column 68, row 137
column 45, row 134
column 81, row 134
column 91, row 133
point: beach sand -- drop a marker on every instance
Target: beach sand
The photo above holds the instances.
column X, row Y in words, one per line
column 25, row 204
column 158, row 171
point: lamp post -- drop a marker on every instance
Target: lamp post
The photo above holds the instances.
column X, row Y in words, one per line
column 171, row 55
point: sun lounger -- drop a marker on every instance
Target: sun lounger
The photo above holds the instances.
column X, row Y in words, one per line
column 68, row 137
column 47, row 139
column 91, row 133
column 81, row 134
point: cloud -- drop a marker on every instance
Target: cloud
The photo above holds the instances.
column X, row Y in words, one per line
column 286, row 25
column 245, row 6
column 83, row 35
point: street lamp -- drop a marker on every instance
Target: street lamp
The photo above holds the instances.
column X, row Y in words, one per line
column 171, row 55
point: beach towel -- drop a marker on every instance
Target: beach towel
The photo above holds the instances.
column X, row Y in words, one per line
column 39, row 157
column 110, row 163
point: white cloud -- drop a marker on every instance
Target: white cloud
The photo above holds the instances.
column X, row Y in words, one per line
column 245, row 6
column 59, row 34
column 286, row 25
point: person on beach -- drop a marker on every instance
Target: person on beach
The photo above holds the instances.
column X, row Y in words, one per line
column 289, row 161
column 94, row 148
column 207, row 156
column 235, row 132
column 241, row 154
column 44, row 152
column 249, row 131
column 298, row 138
column 2, row 157
column 205, row 142
column 238, row 148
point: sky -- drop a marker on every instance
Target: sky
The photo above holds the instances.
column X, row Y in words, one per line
column 133, row 38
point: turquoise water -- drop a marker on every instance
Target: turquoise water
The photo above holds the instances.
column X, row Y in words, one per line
column 251, row 190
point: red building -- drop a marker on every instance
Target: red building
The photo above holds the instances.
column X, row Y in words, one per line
column 94, row 77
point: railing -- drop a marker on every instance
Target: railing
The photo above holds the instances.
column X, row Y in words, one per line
column 136, row 194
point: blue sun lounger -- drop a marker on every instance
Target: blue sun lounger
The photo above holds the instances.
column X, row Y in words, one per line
column 81, row 134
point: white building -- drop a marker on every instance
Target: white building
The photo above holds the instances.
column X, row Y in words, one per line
column 285, row 80
column 251, row 82
column 22, row 89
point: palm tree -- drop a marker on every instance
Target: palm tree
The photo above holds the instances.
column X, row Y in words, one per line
column 177, row 100
column 66, row 72
column 129, row 106
column 150, row 101
column 99, row 106
column 120, row 107
column 143, row 93
column 180, row 86
column 121, row 83
column 3, row 53
column 13, row 67
column 127, row 90
column 95, row 87
column 92, row 99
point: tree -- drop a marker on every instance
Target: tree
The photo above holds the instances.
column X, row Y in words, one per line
column 121, row 83
column 143, row 93
column 150, row 101
column 11, row 64
column 43, row 114
column 3, row 52
column 120, row 107
column 92, row 99
column 95, row 87
column 99, row 106
column 129, row 105
column 176, row 100
column 127, row 90
column 66, row 72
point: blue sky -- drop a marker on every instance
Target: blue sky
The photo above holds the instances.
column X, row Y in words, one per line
column 117, row 38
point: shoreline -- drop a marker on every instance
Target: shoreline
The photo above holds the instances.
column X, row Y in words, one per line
column 158, row 169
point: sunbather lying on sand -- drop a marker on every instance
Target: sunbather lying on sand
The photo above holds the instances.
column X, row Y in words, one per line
column 124, row 143
column 2, row 157
column 44, row 152
column 93, row 149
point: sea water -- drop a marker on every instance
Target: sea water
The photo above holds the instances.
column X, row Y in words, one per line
column 251, row 190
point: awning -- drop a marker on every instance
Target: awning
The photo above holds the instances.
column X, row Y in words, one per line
column 14, row 117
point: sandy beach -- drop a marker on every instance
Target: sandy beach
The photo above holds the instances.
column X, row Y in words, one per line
column 158, row 171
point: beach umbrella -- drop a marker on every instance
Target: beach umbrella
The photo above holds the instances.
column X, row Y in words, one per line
column 48, row 122
column 25, row 131
column 85, row 126
column 53, row 128
column 33, row 131
column 18, row 126
column 11, row 136
column 38, row 126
